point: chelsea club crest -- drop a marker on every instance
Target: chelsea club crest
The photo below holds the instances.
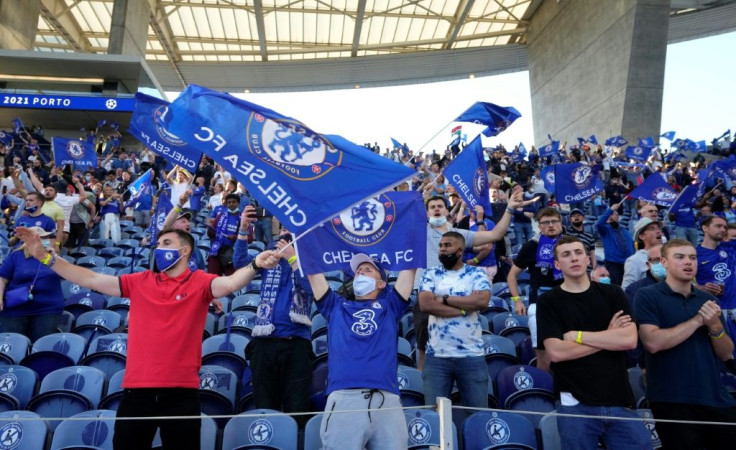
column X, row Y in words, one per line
column 75, row 149
column 291, row 147
column 158, row 120
column 367, row 222
column 480, row 185
column 582, row 176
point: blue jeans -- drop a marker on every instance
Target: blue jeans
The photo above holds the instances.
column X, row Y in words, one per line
column 523, row 232
column 687, row 233
column 578, row 433
column 470, row 374
column 263, row 229
column 36, row 326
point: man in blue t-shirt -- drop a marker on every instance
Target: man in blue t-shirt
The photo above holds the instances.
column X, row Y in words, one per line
column 225, row 225
column 362, row 363
column 32, row 215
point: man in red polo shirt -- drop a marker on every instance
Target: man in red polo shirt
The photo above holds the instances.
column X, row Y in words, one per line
column 167, row 315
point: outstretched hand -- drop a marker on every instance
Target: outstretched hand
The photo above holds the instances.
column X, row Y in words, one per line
column 32, row 241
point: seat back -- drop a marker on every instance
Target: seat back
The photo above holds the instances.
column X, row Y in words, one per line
column 219, row 380
column 312, row 439
column 518, row 379
column 13, row 348
column 260, row 428
column 489, row 430
column 207, row 435
column 114, row 392
column 87, row 381
column 20, row 433
column 103, row 320
column 242, row 322
column 550, row 434
column 508, row 320
column 89, row 429
column 649, row 424
column 217, row 350
column 55, row 351
column 423, row 427
column 246, row 302
column 19, row 382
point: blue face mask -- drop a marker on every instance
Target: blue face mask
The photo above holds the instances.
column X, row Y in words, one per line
column 46, row 243
column 363, row 285
column 658, row 271
column 166, row 258
column 32, row 209
column 604, row 280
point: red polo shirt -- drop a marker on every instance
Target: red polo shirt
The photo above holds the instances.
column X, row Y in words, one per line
column 166, row 320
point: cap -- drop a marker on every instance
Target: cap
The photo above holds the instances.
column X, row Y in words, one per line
column 360, row 258
column 642, row 223
column 184, row 214
column 577, row 211
column 41, row 232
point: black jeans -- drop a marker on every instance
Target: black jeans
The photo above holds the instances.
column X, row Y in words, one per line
column 687, row 436
column 281, row 374
column 156, row 402
column 616, row 270
column 77, row 235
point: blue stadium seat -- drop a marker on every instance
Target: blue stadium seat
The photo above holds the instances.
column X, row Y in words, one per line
column 83, row 302
column 406, row 323
column 17, row 387
column 120, row 305
column 119, row 262
column 550, row 433
column 207, row 435
column 23, row 430
column 127, row 244
column 66, row 322
column 319, row 325
column 126, row 224
column 104, row 270
column 405, row 352
column 320, row 350
column 242, row 323
column 101, row 243
column 218, row 392
column 68, row 288
column 258, row 245
column 312, row 439
column 512, row 326
column 210, row 326
column 13, row 348
column 260, row 429
column 650, row 425
column 246, row 302
column 526, row 388
column 225, row 305
column 82, row 251
column 500, row 353
column 246, row 402
column 68, row 391
column 54, row 352
column 129, row 270
column 219, row 351
column 500, row 289
column 411, row 386
column 638, row 387
column 110, row 252
column 423, row 427
column 107, row 353
column 318, row 388
column 486, row 430
column 97, row 323
column 114, row 392
column 91, row 261
column 140, row 254
column 87, row 430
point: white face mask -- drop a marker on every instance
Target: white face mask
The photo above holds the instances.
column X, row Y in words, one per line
column 363, row 285
column 437, row 221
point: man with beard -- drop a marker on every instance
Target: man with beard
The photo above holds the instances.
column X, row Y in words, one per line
column 576, row 229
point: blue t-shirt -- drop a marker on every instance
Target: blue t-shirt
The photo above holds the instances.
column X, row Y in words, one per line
column 47, row 295
column 362, row 340
column 113, row 207
column 685, row 217
column 195, row 200
column 717, row 266
column 490, row 259
column 225, row 225
column 43, row 221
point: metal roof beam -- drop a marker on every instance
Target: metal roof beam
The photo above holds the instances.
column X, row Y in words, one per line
column 463, row 8
column 261, row 27
column 358, row 27
column 55, row 12
column 159, row 22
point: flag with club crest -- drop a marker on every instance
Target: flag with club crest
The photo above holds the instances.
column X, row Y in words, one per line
column 467, row 173
column 616, row 141
column 495, row 118
column 575, row 182
column 655, row 190
column 79, row 154
column 550, row 149
column 639, row 153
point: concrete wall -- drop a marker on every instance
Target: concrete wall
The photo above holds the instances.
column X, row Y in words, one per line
column 597, row 67
column 129, row 28
column 18, row 23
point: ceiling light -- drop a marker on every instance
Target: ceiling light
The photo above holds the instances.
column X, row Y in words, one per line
column 8, row 77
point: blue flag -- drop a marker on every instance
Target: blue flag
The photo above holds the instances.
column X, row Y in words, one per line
column 496, row 118
column 548, row 176
column 385, row 227
column 138, row 187
column 592, row 139
column 700, row 146
column 114, row 125
column 687, row 198
column 101, row 123
column 681, row 144
column 670, row 135
column 467, row 172
column 5, row 137
column 646, row 142
column 639, row 153
column 723, row 168
column 163, row 206
column 576, row 182
column 616, row 141
column 550, row 149
column 147, row 125
column 78, row 153
column 17, row 126
column 302, row 177
column 518, row 154
column 655, row 190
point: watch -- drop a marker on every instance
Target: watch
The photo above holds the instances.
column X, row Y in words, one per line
column 444, row 299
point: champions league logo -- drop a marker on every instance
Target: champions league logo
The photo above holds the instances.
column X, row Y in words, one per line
column 522, row 380
column 290, row 147
column 480, row 183
column 260, row 432
column 75, row 149
column 367, row 222
column 664, row 194
column 8, row 382
column 158, row 120
column 721, row 272
column 419, row 431
column 582, row 176
column 498, row 431
column 11, row 435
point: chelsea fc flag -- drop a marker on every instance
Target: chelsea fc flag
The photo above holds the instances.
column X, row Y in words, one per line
column 78, row 153
column 467, row 173
column 384, row 227
column 302, row 177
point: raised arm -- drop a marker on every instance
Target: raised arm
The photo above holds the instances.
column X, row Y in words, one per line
column 222, row 286
column 405, row 282
column 499, row 231
column 319, row 285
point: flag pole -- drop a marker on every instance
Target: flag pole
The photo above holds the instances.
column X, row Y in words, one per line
column 435, row 135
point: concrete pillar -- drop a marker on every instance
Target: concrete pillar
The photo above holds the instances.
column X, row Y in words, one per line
column 18, row 24
column 597, row 67
column 129, row 27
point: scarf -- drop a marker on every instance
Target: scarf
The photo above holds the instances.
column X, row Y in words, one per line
column 271, row 284
column 546, row 255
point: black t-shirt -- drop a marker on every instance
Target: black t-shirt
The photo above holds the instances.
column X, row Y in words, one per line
column 599, row 379
column 527, row 259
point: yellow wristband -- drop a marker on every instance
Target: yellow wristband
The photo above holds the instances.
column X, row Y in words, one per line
column 462, row 311
column 475, row 260
column 291, row 260
column 177, row 209
column 46, row 259
column 579, row 339
column 716, row 336
column 515, row 299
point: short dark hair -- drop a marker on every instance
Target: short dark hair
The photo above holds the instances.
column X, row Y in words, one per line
column 183, row 236
column 39, row 196
column 455, row 235
column 436, row 198
column 675, row 243
column 231, row 195
column 566, row 239
column 548, row 211
column 705, row 221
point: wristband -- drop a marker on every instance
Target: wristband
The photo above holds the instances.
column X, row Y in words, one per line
column 509, row 210
column 444, row 299
column 515, row 299
column 716, row 336
column 579, row 339
column 46, row 259
column 291, row 260
column 177, row 209
column 462, row 311
column 475, row 260
column 254, row 266
column 242, row 233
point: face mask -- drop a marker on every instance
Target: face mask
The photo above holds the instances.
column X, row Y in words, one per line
column 604, row 280
column 232, row 211
column 32, row 209
column 166, row 258
column 614, row 225
column 46, row 243
column 363, row 285
column 449, row 260
column 659, row 271
column 577, row 224
column 437, row 221
column 87, row 177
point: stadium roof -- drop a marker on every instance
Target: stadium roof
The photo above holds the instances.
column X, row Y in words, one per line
column 278, row 45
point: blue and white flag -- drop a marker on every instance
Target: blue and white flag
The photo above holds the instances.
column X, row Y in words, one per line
column 670, row 135
column 467, row 173
column 101, row 123
column 655, row 190
column 138, row 187
column 700, row 146
column 592, row 139
column 302, row 177
column 548, row 176
column 576, row 182
column 147, row 125
column 78, row 153
column 686, row 198
column 163, row 206
column 616, row 141
column 114, row 125
column 681, row 144
column 639, row 153
column 550, row 149
column 5, row 138
column 725, row 169
column 17, row 126
column 496, row 118
column 386, row 228
column 397, row 144
column 646, row 142
column 519, row 153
